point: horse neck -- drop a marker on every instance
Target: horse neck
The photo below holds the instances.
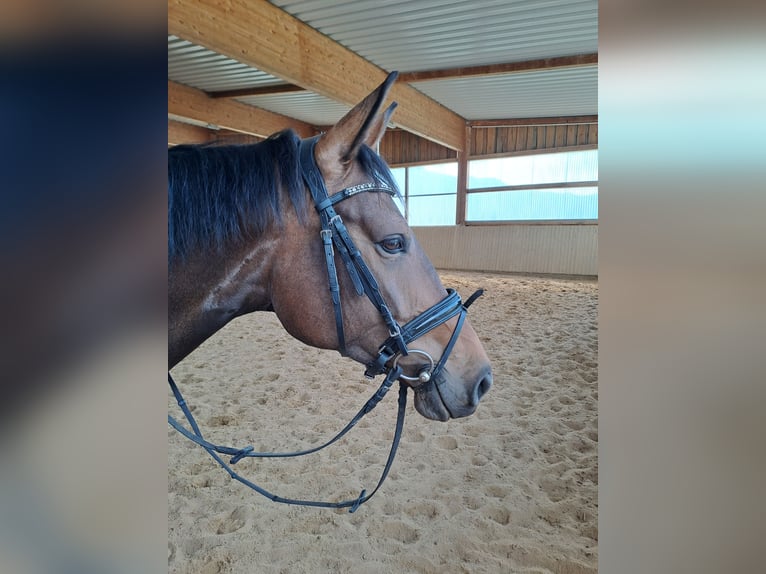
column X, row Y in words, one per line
column 207, row 290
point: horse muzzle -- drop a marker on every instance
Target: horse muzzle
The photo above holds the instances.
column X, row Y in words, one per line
column 445, row 397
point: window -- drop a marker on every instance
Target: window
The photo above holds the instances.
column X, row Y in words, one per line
column 430, row 193
column 400, row 176
column 552, row 186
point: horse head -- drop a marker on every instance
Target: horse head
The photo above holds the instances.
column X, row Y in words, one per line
column 407, row 282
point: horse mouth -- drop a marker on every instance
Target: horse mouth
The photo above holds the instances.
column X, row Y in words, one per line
column 430, row 402
column 445, row 398
column 432, row 409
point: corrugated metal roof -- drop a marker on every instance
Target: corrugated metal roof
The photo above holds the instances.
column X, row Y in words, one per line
column 418, row 35
column 209, row 71
column 547, row 93
column 305, row 106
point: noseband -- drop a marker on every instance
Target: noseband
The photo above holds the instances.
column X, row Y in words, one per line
column 334, row 233
column 335, row 236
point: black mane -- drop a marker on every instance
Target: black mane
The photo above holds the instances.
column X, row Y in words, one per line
column 217, row 194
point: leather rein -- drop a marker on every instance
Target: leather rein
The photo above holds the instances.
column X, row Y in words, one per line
column 335, row 236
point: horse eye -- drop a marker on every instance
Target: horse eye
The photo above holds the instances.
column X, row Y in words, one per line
column 393, row 244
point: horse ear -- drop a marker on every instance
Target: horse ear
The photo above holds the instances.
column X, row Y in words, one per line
column 379, row 127
column 362, row 125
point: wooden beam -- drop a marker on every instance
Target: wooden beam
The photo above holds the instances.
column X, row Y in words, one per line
column 195, row 104
column 181, row 133
column 509, row 123
column 231, row 137
column 261, row 91
column 259, row 34
column 506, row 68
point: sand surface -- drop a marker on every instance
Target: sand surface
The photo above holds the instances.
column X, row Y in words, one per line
column 512, row 488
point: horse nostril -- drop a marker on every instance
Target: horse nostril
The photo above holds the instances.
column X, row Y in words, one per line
column 481, row 388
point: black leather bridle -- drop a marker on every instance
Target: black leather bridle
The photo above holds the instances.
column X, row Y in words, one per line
column 334, row 233
column 335, row 236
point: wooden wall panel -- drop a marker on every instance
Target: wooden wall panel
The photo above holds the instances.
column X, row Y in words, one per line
column 550, row 136
column 531, row 138
column 556, row 249
column 182, row 133
column 506, row 140
column 571, row 134
column 582, row 134
column 229, row 137
column 399, row 147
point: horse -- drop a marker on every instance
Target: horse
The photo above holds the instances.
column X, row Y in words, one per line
column 242, row 237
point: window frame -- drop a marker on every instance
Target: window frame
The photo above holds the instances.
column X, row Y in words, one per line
column 559, row 185
column 406, row 190
column 463, row 197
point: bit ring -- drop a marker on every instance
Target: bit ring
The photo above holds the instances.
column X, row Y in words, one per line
column 425, row 374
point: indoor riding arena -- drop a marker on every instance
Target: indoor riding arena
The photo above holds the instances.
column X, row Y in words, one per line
column 494, row 149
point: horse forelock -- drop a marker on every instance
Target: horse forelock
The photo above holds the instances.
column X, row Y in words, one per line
column 376, row 167
column 221, row 193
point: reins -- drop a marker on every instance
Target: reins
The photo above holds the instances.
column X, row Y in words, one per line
column 238, row 454
column 335, row 236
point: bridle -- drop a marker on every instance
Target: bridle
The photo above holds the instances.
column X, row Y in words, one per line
column 334, row 233
column 335, row 236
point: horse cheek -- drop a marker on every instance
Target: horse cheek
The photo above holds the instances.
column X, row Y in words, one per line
column 301, row 315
